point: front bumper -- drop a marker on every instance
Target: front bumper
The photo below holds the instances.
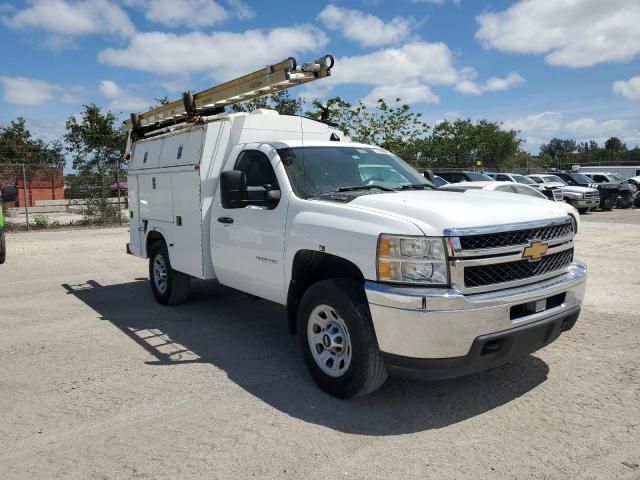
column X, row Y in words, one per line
column 442, row 324
column 585, row 202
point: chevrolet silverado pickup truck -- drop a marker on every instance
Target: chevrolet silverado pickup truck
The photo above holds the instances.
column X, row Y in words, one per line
column 380, row 272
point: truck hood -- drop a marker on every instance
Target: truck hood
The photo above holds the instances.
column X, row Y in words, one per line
column 577, row 189
column 435, row 210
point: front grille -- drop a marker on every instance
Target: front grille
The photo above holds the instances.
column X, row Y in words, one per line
column 482, row 275
column 591, row 195
column 515, row 237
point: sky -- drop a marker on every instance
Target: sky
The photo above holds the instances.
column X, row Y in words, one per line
column 549, row 68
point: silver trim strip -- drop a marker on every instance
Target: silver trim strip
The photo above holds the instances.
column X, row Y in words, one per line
column 455, row 232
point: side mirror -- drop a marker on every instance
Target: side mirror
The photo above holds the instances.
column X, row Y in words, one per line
column 9, row 193
column 233, row 189
column 428, row 174
column 272, row 198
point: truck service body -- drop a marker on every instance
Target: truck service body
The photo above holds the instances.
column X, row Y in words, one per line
column 377, row 276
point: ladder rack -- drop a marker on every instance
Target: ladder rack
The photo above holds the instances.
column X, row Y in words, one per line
column 273, row 78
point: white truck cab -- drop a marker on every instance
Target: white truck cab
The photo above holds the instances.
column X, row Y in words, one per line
column 381, row 273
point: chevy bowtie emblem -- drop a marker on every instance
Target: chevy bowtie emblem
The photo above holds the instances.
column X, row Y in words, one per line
column 535, row 251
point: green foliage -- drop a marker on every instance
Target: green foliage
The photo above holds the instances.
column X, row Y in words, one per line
column 394, row 127
column 559, row 150
column 17, row 145
column 97, row 143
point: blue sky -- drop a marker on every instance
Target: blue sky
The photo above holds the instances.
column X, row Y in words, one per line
column 568, row 68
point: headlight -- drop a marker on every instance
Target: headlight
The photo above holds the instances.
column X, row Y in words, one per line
column 412, row 260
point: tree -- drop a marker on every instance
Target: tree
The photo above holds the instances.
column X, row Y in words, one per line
column 17, row 145
column 613, row 146
column 559, row 150
column 394, row 127
column 160, row 102
column 96, row 143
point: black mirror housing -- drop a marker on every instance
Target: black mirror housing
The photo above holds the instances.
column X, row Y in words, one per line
column 233, row 189
column 9, row 193
column 429, row 175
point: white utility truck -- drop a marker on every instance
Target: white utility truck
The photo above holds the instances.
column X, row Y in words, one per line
column 380, row 272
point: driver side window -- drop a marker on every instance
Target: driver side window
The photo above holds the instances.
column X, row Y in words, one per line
column 257, row 168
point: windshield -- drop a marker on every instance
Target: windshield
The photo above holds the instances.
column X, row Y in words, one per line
column 581, row 178
column 478, row 177
column 316, row 170
column 553, row 179
column 523, row 179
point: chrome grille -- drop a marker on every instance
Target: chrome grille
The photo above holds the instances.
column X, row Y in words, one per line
column 483, row 275
column 516, row 237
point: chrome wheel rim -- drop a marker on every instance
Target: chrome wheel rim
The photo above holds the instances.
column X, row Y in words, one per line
column 160, row 273
column 329, row 341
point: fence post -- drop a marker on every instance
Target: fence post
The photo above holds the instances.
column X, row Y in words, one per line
column 26, row 200
column 118, row 187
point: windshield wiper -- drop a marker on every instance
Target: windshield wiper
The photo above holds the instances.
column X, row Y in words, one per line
column 365, row 187
column 416, row 186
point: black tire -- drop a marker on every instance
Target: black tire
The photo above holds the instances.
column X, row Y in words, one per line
column 582, row 211
column 3, row 248
column 177, row 284
column 607, row 204
column 366, row 371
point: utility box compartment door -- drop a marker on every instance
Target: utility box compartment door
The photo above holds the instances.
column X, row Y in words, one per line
column 146, row 154
column 156, row 200
column 135, row 234
column 182, row 148
column 186, row 252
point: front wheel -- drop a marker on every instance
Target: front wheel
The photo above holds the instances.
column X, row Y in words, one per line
column 169, row 286
column 337, row 339
column 582, row 211
column 607, row 203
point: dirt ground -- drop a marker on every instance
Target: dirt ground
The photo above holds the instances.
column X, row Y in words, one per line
column 97, row 381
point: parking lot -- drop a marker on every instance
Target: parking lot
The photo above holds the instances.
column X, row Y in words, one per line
column 97, row 381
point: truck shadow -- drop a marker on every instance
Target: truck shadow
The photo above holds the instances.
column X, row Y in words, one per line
column 247, row 339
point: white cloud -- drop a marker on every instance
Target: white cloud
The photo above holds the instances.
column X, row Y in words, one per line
column 422, row 62
column 573, row 33
column 493, row 84
column 32, row 92
column 541, row 127
column 65, row 18
column 408, row 93
column 223, row 54
column 365, row 29
column 27, row 91
column 192, row 13
column 435, row 2
column 120, row 99
column 628, row 88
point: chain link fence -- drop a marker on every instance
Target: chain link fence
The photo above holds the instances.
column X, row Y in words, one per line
column 50, row 197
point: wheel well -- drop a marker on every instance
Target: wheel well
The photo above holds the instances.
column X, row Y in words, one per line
column 152, row 238
column 310, row 267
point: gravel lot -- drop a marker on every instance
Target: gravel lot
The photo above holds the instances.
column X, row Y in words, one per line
column 97, row 381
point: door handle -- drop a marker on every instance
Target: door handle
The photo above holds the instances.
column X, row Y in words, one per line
column 226, row 220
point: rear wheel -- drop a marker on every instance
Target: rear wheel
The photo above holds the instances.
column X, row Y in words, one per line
column 168, row 286
column 337, row 339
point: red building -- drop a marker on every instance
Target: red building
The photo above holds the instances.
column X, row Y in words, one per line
column 42, row 184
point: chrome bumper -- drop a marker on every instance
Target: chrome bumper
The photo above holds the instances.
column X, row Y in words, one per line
column 590, row 202
column 443, row 323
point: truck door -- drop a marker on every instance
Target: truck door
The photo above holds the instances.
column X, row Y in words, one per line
column 248, row 243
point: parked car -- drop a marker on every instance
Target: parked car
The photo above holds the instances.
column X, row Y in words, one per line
column 608, row 192
column 516, row 188
column 582, row 198
column 455, row 177
column 552, row 192
column 626, row 192
column 636, row 182
column 7, row 194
